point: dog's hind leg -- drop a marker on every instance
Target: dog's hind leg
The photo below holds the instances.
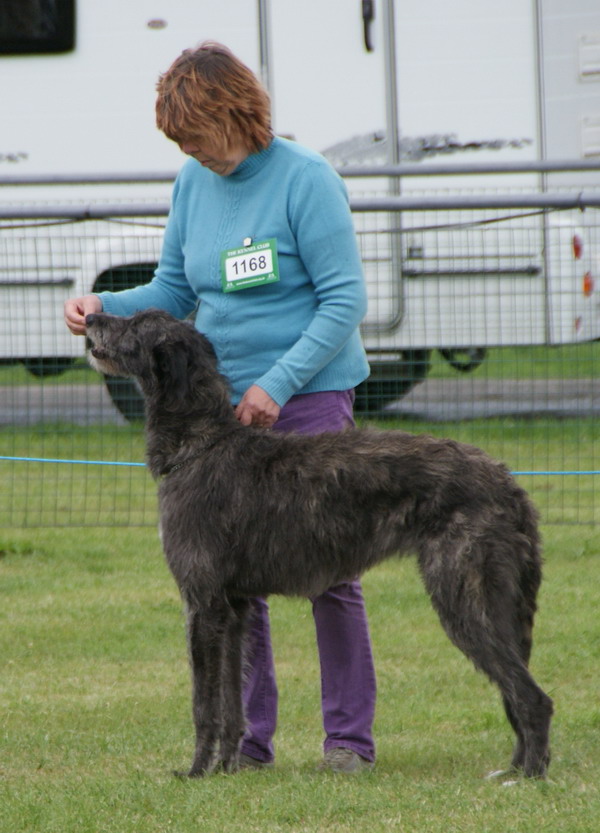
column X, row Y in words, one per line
column 232, row 729
column 477, row 594
column 529, row 710
column 518, row 757
column 525, row 625
column 207, row 626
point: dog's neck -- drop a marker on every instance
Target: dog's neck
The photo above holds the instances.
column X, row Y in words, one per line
column 174, row 439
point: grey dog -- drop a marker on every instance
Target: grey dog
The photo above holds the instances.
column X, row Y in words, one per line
column 247, row 512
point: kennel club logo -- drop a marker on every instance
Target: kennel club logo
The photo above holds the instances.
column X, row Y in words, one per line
column 253, row 265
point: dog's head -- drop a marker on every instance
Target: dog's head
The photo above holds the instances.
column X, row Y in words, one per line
column 165, row 355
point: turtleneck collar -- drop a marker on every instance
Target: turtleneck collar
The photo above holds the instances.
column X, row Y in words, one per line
column 252, row 163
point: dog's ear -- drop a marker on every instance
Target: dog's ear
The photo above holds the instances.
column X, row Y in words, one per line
column 172, row 373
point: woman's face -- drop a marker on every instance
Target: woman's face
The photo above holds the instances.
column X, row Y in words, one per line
column 218, row 160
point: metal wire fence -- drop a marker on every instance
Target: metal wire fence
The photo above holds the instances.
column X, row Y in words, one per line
column 482, row 323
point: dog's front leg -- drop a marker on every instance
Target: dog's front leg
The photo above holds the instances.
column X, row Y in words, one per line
column 233, row 723
column 206, row 630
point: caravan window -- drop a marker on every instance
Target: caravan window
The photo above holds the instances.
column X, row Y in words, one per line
column 36, row 26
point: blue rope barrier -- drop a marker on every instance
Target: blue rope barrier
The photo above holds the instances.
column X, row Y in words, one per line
column 127, row 463
column 72, row 462
column 554, row 472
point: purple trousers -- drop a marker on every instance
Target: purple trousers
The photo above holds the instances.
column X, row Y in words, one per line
column 348, row 687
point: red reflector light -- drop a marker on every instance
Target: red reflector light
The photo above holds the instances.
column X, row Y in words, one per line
column 577, row 247
column 588, row 284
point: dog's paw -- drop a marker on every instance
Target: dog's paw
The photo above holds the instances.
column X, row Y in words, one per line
column 231, row 766
column 508, row 777
column 513, row 776
column 191, row 773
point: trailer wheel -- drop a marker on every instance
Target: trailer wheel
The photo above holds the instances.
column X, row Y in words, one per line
column 464, row 359
column 391, row 380
column 124, row 393
column 48, row 366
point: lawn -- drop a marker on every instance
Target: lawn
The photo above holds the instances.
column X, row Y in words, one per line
column 567, row 361
column 49, row 494
column 96, row 704
column 37, row 494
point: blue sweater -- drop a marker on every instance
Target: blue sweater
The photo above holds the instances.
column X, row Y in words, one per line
column 297, row 335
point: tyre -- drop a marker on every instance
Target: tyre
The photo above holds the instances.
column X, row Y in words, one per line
column 48, row 366
column 464, row 359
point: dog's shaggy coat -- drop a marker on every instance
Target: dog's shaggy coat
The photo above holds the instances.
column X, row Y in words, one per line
column 247, row 512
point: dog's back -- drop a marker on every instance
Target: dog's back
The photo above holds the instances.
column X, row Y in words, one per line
column 297, row 514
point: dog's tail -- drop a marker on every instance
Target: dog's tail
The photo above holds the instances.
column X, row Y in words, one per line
column 530, row 563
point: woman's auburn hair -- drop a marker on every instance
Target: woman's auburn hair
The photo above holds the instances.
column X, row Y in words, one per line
column 209, row 95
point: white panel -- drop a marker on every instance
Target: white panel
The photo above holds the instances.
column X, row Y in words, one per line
column 589, row 56
column 590, row 136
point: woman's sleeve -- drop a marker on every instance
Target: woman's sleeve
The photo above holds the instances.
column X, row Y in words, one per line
column 322, row 224
column 168, row 290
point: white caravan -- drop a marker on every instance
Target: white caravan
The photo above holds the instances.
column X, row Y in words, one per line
column 462, row 82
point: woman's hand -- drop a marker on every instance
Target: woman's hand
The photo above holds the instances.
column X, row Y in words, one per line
column 76, row 310
column 257, row 408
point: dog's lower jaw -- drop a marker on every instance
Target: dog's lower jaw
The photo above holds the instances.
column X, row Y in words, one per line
column 98, row 361
column 93, row 362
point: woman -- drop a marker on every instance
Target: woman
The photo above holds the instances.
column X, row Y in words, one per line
column 260, row 233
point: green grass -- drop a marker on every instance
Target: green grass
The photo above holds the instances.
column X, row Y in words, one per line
column 79, row 373
column 572, row 361
column 36, row 494
column 96, row 704
column 569, row 361
column 48, row 494
column 541, row 444
column 51, row 494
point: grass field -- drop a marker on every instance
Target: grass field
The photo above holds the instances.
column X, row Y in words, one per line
column 34, row 494
column 96, row 704
column 41, row 494
column 569, row 361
